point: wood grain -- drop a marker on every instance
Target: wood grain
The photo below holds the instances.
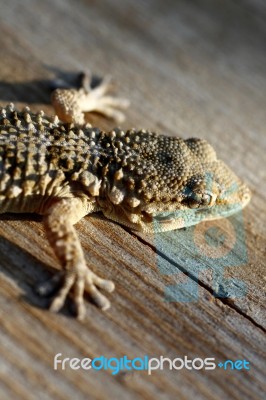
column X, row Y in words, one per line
column 190, row 69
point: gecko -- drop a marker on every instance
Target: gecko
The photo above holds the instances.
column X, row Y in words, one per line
column 64, row 169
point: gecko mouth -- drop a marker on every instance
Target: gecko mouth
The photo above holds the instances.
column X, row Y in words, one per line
column 184, row 215
column 164, row 219
column 167, row 217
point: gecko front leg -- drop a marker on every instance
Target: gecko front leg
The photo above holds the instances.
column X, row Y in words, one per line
column 76, row 276
column 71, row 104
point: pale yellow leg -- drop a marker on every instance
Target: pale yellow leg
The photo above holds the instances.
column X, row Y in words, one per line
column 76, row 276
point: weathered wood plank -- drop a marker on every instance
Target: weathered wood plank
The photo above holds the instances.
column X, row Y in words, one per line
column 139, row 323
column 191, row 69
column 234, row 276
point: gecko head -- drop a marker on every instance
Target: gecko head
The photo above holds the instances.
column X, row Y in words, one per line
column 196, row 208
column 173, row 183
column 215, row 194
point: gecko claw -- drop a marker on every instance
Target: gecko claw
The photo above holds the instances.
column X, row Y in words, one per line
column 78, row 283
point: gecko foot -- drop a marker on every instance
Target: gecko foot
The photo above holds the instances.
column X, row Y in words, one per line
column 71, row 104
column 65, row 281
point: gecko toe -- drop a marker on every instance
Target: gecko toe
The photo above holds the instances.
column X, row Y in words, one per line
column 104, row 284
column 98, row 298
column 80, row 309
column 60, row 298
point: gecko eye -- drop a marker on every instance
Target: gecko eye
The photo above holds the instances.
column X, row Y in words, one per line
column 199, row 200
column 208, row 199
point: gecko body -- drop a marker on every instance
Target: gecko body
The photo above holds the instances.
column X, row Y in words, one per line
column 139, row 179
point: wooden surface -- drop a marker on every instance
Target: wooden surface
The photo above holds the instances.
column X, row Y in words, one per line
column 190, row 68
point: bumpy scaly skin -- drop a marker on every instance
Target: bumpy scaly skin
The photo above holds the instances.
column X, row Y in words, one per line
column 145, row 181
